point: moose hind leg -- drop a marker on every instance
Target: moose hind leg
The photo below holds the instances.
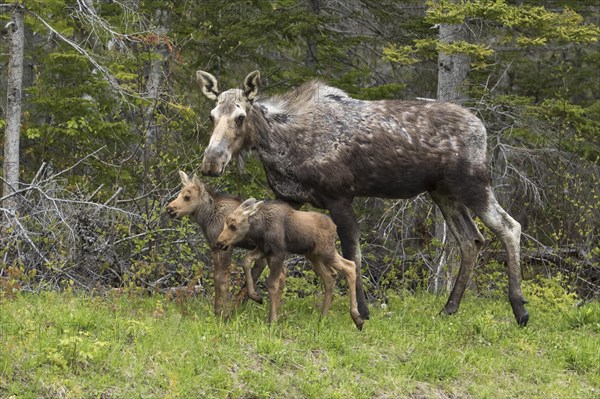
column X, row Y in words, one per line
column 468, row 238
column 509, row 231
column 349, row 232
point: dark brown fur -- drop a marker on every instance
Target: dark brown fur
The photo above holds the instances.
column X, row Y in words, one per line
column 320, row 146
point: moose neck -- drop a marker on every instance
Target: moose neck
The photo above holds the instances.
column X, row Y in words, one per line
column 279, row 138
column 271, row 135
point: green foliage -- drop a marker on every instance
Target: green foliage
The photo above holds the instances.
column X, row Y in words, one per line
column 523, row 25
column 531, row 25
column 424, row 49
column 550, row 293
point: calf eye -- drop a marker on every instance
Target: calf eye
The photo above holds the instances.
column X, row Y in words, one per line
column 240, row 120
column 186, row 197
column 232, row 227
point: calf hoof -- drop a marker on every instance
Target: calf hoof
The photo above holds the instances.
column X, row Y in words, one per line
column 256, row 298
column 359, row 323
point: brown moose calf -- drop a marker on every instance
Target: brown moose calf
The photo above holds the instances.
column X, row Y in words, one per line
column 277, row 230
column 209, row 209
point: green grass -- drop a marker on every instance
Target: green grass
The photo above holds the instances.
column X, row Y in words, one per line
column 65, row 345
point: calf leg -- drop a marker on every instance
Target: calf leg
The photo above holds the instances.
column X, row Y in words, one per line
column 348, row 270
column 259, row 266
column 509, row 231
column 252, row 256
column 275, row 284
column 349, row 232
column 468, row 238
column 328, row 283
column 221, row 262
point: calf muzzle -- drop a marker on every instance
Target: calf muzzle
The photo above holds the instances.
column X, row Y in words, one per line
column 223, row 246
column 172, row 212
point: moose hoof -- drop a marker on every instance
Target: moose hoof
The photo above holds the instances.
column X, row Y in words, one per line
column 363, row 309
column 449, row 309
column 518, row 307
column 522, row 317
column 256, row 298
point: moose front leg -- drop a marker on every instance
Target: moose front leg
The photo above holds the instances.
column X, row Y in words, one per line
column 348, row 230
column 221, row 262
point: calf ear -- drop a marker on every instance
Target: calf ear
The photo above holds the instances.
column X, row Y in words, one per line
column 246, row 204
column 252, row 85
column 252, row 208
column 184, row 178
column 197, row 182
column 209, row 84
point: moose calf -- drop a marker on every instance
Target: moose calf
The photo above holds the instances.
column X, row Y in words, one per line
column 209, row 209
column 277, row 230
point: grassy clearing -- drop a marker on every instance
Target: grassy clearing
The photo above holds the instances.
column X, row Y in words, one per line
column 64, row 345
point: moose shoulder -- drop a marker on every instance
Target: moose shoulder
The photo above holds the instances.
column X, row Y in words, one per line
column 320, row 146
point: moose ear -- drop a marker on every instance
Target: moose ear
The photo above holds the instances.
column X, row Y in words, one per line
column 252, row 85
column 184, row 177
column 209, row 84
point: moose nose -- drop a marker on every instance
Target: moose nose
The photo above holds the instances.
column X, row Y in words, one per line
column 212, row 169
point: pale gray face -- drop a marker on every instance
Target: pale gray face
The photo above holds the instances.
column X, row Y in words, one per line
column 226, row 141
column 229, row 119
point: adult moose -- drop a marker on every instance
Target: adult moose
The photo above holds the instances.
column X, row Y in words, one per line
column 320, row 146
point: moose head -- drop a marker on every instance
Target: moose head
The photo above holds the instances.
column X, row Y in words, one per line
column 229, row 134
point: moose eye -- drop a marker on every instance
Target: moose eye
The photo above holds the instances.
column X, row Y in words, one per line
column 186, row 197
column 239, row 120
column 232, row 227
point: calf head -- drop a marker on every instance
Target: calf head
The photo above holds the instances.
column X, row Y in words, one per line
column 229, row 136
column 237, row 224
column 193, row 194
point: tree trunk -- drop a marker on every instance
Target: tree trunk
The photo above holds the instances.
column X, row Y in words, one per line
column 13, row 108
column 452, row 73
column 152, row 95
column 311, row 60
column 452, row 68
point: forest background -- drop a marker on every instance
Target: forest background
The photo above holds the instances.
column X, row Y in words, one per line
column 110, row 111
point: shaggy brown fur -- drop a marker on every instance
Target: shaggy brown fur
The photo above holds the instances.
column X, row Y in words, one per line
column 278, row 230
column 209, row 209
